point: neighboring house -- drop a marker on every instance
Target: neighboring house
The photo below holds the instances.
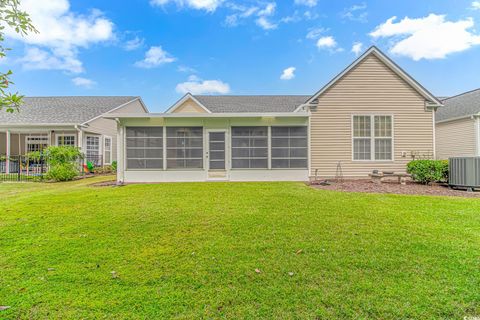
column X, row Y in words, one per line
column 458, row 126
column 371, row 116
column 73, row 121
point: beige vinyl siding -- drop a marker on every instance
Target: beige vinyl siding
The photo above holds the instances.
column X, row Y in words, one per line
column 107, row 127
column 189, row 106
column 455, row 138
column 371, row 88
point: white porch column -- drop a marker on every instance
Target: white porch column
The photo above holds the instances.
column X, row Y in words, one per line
column 120, row 152
column 7, row 153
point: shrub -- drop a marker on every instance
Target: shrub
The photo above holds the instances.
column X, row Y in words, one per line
column 104, row 170
column 63, row 162
column 428, row 171
column 62, row 172
column 114, row 166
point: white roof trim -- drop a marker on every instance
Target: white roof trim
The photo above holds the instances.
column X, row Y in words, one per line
column 185, row 98
column 392, row 65
column 116, row 108
column 210, row 115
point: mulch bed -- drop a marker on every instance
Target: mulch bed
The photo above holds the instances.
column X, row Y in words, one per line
column 112, row 183
column 394, row 188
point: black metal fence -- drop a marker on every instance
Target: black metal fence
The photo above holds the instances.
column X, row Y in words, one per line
column 21, row 168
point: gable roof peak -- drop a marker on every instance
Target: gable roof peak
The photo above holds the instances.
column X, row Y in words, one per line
column 434, row 102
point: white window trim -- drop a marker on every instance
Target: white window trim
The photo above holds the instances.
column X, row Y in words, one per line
column 372, row 137
column 46, row 137
column 58, row 135
column 111, row 149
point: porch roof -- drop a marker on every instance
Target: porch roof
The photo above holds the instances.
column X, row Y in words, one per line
column 207, row 115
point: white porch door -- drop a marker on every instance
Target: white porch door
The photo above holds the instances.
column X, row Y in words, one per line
column 216, row 154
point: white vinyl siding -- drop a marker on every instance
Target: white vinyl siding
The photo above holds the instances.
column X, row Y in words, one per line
column 376, row 144
column 144, row 147
column 249, row 147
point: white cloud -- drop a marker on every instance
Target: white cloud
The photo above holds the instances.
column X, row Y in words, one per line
column 38, row 59
column 194, row 85
column 308, row 3
column 315, row 33
column 268, row 10
column 476, row 5
column 207, row 5
column 431, row 37
column 327, row 42
column 133, row 44
column 61, row 34
column 154, row 57
column 357, row 48
column 241, row 12
column 186, row 69
column 288, row 73
column 265, row 24
column 83, row 82
column 356, row 13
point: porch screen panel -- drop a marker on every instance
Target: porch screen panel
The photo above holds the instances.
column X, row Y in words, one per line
column 144, row 147
column 249, row 147
column 184, row 148
column 289, row 147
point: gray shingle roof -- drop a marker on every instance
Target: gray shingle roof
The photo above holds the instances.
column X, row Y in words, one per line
column 465, row 104
column 58, row 110
column 222, row 104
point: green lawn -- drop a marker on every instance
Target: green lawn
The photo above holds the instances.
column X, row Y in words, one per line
column 190, row 251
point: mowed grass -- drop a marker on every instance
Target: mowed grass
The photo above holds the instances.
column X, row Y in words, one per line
column 190, row 251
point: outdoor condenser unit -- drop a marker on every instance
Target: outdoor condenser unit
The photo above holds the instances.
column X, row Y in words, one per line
column 464, row 172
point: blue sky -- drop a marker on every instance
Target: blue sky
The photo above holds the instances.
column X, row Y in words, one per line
column 159, row 49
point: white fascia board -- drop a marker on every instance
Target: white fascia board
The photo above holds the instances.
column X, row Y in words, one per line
column 392, row 65
column 185, row 98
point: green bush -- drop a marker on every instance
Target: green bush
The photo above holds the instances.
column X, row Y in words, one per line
column 114, row 166
column 428, row 171
column 62, row 161
column 62, row 172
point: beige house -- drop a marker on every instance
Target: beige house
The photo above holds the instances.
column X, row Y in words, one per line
column 373, row 115
column 458, row 126
column 74, row 121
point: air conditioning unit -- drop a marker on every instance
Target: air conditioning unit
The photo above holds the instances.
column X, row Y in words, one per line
column 464, row 172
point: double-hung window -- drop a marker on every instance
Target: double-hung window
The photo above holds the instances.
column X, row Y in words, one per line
column 289, row 147
column 184, row 147
column 249, row 147
column 66, row 140
column 373, row 137
column 144, row 147
column 107, row 150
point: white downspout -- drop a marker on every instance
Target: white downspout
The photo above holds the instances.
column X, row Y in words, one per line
column 120, row 152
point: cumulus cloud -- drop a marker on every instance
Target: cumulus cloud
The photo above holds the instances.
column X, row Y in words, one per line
column 476, row 5
column 83, row 82
column 288, row 73
column 154, row 57
column 263, row 20
column 62, row 33
column 207, row 5
column 195, row 85
column 431, row 37
column 308, row 3
column 357, row 48
column 356, row 12
column 327, row 42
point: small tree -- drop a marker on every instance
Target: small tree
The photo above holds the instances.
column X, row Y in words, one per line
column 13, row 17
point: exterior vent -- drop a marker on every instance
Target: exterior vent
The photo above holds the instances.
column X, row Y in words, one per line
column 464, row 172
